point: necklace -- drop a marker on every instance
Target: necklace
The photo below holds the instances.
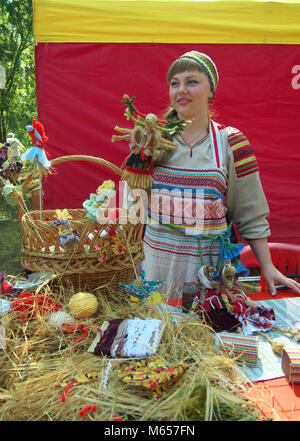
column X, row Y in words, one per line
column 194, row 141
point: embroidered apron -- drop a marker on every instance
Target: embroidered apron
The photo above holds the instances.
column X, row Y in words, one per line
column 186, row 219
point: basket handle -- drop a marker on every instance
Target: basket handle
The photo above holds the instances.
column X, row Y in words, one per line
column 87, row 158
column 67, row 158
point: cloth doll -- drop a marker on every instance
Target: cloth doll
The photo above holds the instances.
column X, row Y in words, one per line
column 209, row 304
column 37, row 154
column 67, row 236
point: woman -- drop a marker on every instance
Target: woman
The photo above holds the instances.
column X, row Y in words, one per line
column 210, row 177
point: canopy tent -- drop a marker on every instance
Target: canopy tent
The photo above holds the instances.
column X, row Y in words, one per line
column 89, row 53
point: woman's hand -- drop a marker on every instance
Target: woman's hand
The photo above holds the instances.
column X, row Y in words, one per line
column 273, row 277
column 271, row 274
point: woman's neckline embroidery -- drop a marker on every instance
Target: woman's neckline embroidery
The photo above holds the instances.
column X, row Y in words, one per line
column 195, row 142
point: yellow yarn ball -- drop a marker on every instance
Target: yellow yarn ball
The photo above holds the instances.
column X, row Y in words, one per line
column 83, row 305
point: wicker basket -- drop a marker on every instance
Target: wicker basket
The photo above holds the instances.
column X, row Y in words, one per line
column 80, row 265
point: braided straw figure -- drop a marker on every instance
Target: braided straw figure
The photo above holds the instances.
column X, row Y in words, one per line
column 232, row 289
column 146, row 143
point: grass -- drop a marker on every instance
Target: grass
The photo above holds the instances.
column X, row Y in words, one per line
column 10, row 238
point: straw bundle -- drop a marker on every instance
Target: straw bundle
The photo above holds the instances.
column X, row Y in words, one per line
column 38, row 357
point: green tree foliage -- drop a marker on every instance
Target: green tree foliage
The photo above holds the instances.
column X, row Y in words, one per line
column 18, row 97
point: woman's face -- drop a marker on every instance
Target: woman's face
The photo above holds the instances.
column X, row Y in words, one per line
column 189, row 93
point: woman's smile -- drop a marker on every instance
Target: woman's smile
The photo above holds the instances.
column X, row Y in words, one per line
column 183, row 101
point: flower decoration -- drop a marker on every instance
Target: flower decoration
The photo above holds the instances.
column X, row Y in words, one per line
column 106, row 185
column 111, row 245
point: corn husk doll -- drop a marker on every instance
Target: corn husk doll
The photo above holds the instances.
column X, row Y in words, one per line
column 145, row 141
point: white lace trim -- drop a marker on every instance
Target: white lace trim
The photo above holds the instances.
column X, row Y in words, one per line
column 142, row 338
column 106, row 374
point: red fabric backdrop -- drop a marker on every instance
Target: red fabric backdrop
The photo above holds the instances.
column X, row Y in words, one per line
column 79, row 88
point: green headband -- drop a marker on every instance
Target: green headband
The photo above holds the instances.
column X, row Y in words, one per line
column 206, row 64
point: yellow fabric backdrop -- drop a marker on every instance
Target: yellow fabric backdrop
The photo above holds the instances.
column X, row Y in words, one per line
column 167, row 21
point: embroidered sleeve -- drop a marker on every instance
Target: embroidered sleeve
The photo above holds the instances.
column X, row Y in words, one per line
column 245, row 199
column 244, row 158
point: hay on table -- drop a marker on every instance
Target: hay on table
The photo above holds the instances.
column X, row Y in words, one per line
column 39, row 356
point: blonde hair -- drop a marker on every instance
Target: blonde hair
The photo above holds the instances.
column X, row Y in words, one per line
column 182, row 65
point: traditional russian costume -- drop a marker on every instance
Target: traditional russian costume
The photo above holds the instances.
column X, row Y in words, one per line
column 194, row 191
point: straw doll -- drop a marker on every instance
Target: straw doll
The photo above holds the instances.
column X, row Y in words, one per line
column 232, row 292
column 146, row 143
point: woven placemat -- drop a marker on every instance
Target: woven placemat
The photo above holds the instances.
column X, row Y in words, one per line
column 287, row 311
